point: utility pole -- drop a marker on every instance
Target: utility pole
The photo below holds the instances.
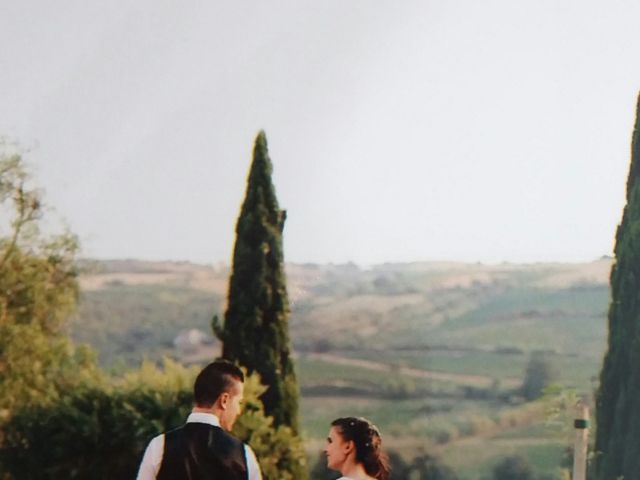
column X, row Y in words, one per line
column 581, row 425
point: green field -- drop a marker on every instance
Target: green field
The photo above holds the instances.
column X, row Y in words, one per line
column 573, row 371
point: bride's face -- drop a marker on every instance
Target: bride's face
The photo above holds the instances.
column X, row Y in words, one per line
column 337, row 449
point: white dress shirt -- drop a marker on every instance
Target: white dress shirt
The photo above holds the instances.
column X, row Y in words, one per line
column 153, row 455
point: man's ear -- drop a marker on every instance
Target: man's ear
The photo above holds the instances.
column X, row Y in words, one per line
column 223, row 400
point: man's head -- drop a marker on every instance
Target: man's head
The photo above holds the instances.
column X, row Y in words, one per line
column 219, row 387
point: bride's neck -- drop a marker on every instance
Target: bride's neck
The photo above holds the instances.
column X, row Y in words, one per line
column 355, row 471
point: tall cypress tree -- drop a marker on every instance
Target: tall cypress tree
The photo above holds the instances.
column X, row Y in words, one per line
column 256, row 332
column 618, row 397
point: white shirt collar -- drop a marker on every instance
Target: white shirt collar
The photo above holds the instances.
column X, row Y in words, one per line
column 201, row 417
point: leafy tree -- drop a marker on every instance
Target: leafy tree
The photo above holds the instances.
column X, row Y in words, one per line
column 38, row 291
column 617, row 442
column 256, row 331
column 539, row 374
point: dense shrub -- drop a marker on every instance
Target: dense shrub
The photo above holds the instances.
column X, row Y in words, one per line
column 101, row 432
column 89, row 433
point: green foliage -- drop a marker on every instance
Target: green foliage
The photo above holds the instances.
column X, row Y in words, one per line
column 101, row 432
column 618, row 413
column 91, row 433
column 278, row 448
column 37, row 274
column 539, row 374
column 38, row 290
column 171, row 377
column 37, row 368
column 256, row 332
column 38, row 282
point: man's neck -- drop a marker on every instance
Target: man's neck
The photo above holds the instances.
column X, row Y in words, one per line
column 209, row 410
column 214, row 410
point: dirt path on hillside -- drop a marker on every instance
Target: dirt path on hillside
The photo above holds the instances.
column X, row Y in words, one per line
column 457, row 378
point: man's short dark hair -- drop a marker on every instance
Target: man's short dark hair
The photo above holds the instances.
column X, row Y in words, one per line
column 215, row 379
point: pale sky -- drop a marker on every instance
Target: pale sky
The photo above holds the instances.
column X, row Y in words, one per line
column 399, row 131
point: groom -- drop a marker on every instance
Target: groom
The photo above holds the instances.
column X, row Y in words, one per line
column 202, row 449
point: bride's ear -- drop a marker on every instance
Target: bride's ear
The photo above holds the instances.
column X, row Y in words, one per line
column 349, row 447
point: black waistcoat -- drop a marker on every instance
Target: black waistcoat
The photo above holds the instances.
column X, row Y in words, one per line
column 199, row 451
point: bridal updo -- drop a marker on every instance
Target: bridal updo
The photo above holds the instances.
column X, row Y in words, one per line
column 368, row 444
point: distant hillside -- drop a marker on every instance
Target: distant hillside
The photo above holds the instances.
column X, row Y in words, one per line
column 130, row 309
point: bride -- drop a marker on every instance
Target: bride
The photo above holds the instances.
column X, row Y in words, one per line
column 354, row 449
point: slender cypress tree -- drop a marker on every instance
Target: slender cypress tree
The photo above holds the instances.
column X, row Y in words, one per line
column 256, row 331
column 618, row 397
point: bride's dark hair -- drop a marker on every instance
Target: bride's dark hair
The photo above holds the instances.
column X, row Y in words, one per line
column 366, row 438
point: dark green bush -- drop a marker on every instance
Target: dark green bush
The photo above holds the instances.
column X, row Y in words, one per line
column 101, row 432
column 89, row 433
